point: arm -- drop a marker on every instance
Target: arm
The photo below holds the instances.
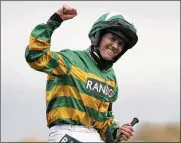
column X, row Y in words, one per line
column 108, row 132
column 38, row 54
column 112, row 130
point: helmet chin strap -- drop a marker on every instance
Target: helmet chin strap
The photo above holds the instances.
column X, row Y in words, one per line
column 101, row 62
column 96, row 54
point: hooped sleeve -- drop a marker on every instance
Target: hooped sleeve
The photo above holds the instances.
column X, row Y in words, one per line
column 38, row 54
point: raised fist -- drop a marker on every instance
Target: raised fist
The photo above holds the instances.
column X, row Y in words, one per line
column 66, row 12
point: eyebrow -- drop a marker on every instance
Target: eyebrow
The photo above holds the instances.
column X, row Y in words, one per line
column 115, row 36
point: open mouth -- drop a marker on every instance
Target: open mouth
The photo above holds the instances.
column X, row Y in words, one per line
column 111, row 50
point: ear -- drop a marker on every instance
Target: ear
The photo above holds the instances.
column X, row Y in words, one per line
column 93, row 41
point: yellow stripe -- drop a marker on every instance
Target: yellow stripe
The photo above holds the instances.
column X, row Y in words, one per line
column 78, row 73
column 60, row 113
column 110, row 83
column 82, row 76
column 104, row 128
column 50, row 77
column 73, row 92
column 62, row 68
column 62, row 90
column 94, row 103
column 36, row 44
column 41, row 62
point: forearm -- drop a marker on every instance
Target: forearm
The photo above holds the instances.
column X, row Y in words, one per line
column 108, row 132
column 40, row 38
column 38, row 54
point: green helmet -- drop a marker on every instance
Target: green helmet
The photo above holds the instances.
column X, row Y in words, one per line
column 118, row 25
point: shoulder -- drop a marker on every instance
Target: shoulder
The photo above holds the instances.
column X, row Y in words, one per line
column 111, row 74
column 73, row 56
column 68, row 52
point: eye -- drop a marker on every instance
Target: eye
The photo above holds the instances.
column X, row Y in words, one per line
column 121, row 44
column 113, row 39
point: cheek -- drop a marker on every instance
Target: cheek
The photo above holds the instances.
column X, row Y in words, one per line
column 103, row 42
column 102, row 51
column 118, row 52
column 102, row 47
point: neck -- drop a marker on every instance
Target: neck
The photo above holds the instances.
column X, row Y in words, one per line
column 97, row 58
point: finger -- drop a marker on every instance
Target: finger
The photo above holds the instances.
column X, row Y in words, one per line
column 127, row 130
column 127, row 127
column 127, row 124
column 67, row 9
column 66, row 6
column 126, row 133
column 75, row 10
column 70, row 16
column 123, row 137
column 70, row 11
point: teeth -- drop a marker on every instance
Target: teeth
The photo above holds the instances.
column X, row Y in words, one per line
column 111, row 51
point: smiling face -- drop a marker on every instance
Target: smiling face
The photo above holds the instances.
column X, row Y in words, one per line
column 110, row 46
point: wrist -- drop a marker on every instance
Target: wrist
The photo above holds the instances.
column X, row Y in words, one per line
column 115, row 133
column 56, row 17
column 54, row 21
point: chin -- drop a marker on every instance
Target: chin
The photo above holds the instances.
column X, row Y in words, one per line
column 107, row 58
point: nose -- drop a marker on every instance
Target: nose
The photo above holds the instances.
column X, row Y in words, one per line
column 115, row 44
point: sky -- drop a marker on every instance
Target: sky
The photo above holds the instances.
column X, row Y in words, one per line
column 148, row 75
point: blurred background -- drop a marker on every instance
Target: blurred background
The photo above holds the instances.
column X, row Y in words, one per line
column 148, row 75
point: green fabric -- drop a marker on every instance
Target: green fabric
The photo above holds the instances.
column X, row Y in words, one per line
column 70, row 102
column 116, row 17
column 71, row 81
column 79, row 59
column 32, row 55
column 100, row 22
column 102, row 18
column 110, row 132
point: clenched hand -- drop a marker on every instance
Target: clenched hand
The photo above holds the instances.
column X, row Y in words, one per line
column 67, row 12
column 126, row 131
